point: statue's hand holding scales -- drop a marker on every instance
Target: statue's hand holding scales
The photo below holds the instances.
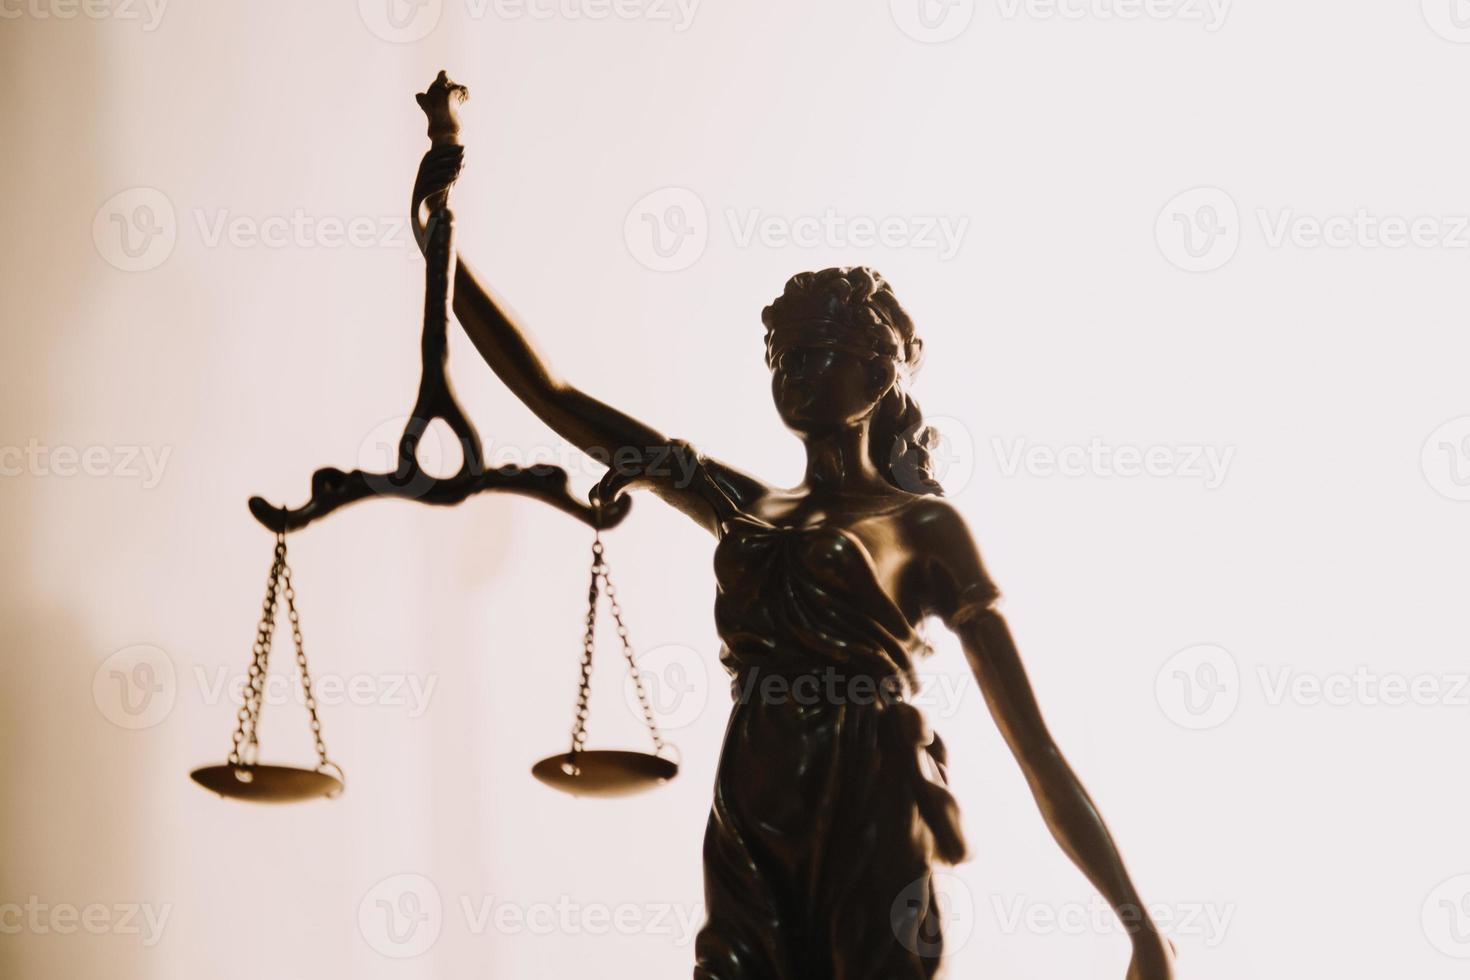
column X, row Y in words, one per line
column 441, row 104
column 444, row 160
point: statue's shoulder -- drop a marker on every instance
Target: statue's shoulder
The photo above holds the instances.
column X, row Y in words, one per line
column 928, row 516
column 941, row 537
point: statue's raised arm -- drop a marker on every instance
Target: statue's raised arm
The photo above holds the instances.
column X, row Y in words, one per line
column 635, row 450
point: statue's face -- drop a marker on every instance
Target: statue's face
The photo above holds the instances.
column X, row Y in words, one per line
column 821, row 388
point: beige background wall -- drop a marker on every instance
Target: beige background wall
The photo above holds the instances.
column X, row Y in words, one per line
column 150, row 383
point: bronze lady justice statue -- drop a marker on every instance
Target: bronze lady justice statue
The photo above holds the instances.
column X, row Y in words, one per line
column 829, row 808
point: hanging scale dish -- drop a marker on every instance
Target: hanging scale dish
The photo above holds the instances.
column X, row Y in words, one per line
column 606, row 772
column 242, row 776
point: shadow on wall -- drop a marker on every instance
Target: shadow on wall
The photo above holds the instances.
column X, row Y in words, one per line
column 71, row 814
column 71, row 824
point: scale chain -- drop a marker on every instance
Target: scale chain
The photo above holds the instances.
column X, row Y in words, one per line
column 601, row 581
column 245, row 744
column 295, row 619
column 589, row 643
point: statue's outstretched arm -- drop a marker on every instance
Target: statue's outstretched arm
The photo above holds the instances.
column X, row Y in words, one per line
column 963, row 596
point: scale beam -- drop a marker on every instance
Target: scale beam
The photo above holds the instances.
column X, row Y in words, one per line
column 332, row 488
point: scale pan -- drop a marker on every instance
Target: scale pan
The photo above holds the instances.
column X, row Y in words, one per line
column 604, row 772
column 267, row 784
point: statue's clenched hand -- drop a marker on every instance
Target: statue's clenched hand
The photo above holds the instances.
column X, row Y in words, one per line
column 441, row 166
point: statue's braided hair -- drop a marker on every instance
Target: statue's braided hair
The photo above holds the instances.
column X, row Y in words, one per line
column 859, row 304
